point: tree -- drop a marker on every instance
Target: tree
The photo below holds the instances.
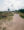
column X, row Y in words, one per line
column 8, row 9
column 21, row 10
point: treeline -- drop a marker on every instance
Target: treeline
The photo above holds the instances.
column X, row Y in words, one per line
column 21, row 10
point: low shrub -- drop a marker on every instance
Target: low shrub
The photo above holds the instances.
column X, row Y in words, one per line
column 4, row 28
column 21, row 15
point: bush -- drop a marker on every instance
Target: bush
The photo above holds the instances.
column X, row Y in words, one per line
column 21, row 13
column 4, row 28
column 22, row 16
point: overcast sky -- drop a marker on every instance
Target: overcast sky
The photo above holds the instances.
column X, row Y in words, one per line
column 12, row 4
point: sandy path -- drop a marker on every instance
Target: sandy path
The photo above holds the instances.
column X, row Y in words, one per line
column 17, row 18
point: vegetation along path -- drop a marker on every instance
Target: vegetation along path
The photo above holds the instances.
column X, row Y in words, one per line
column 16, row 24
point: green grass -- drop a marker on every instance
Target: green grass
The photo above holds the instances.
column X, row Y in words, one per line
column 10, row 14
column 22, row 16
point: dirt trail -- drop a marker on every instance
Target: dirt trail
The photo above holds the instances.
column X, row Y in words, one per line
column 16, row 24
column 17, row 18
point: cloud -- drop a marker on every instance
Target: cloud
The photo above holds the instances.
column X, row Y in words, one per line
column 16, row 4
column 12, row 4
column 4, row 6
